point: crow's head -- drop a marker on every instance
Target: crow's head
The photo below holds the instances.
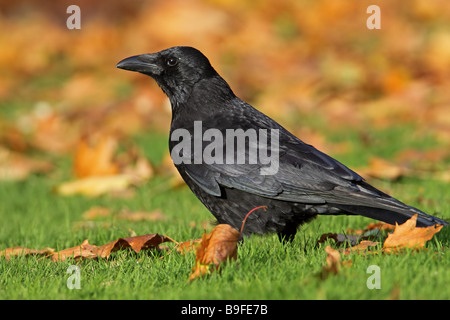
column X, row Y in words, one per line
column 176, row 70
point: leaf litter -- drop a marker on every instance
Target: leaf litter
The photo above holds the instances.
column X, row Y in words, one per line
column 404, row 236
column 220, row 245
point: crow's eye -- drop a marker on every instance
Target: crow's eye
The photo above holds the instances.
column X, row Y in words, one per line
column 172, row 62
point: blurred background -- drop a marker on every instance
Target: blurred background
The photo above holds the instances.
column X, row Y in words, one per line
column 312, row 65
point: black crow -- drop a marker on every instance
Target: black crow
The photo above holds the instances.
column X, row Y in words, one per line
column 220, row 145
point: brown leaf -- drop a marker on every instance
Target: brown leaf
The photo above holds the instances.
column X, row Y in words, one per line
column 96, row 212
column 216, row 247
column 84, row 250
column 407, row 235
column 362, row 247
column 52, row 132
column 139, row 168
column 382, row 169
column 18, row 251
column 333, row 260
column 100, row 171
column 88, row 251
column 136, row 243
column 188, row 246
column 155, row 215
column 94, row 156
column 379, row 225
column 96, row 186
column 334, row 263
column 16, row 166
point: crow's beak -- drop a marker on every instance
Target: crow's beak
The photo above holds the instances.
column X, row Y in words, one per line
column 144, row 63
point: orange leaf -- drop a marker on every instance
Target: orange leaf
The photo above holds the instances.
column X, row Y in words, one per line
column 363, row 246
column 16, row 166
column 333, row 260
column 334, row 263
column 188, row 246
column 88, row 251
column 84, row 250
column 216, row 247
column 136, row 243
column 382, row 169
column 94, row 157
column 18, row 251
column 407, row 235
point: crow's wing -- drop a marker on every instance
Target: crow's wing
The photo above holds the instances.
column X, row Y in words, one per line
column 302, row 173
column 306, row 175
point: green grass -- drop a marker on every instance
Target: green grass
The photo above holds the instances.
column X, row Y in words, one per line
column 31, row 215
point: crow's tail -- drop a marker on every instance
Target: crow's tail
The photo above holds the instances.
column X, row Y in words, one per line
column 373, row 203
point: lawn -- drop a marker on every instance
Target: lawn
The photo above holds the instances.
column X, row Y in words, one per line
column 375, row 99
column 33, row 215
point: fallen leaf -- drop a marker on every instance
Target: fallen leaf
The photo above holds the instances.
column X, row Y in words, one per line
column 374, row 226
column 407, row 235
column 136, row 243
column 188, row 246
column 102, row 212
column 88, row 251
column 96, row 186
column 96, row 212
column 361, row 247
column 51, row 131
column 99, row 171
column 216, row 247
column 84, row 250
column 94, row 156
column 382, row 169
column 19, row 251
column 334, row 263
column 155, row 215
column 139, row 168
column 16, row 166
column 333, row 260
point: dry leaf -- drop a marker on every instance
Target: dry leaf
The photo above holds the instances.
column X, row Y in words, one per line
column 94, row 156
column 188, row 246
column 96, row 186
column 84, row 250
column 382, row 169
column 216, row 247
column 88, row 251
column 100, row 172
column 334, row 263
column 372, row 226
column 333, row 260
column 155, row 215
column 52, row 132
column 96, row 212
column 102, row 212
column 19, row 251
column 136, row 243
column 362, row 247
column 407, row 235
column 16, row 166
